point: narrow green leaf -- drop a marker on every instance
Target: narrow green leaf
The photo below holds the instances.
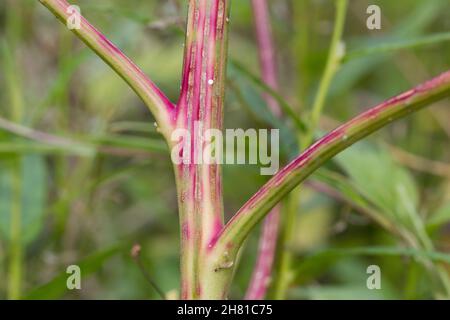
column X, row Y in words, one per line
column 318, row 262
column 379, row 179
column 287, row 109
column 250, row 99
column 341, row 292
column 397, row 44
column 132, row 142
column 441, row 217
column 418, row 18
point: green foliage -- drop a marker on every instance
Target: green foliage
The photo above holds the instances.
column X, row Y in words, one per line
column 394, row 45
column 440, row 217
column 110, row 180
column 384, row 183
column 32, row 192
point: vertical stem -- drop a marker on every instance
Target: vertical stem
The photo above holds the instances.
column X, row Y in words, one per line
column 15, row 94
column 262, row 272
column 282, row 275
column 266, row 51
column 200, row 108
column 16, row 249
column 302, row 16
column 267, row 244
column 335, row 55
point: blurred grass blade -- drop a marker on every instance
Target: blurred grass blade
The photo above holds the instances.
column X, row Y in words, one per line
column 87, row 148
column 395, row 45
column 338, row 292
column 134, row 126
column 12, row 81
column 441, row 217
column 349, row 192
column 22, row 147
column 380, row 180
column 320, row 261
column 252, row 101
column 45, row 138
column 57, row 287
column 58, row 89
column 413, row 25
column 287, row 109
column 132, row 142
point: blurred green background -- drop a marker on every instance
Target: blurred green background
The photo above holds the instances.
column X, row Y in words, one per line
column 84, row 175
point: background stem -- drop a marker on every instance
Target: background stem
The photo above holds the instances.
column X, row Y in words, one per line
column 282, row 274
column 16, row 248
column 262, row 272
column 282, row 279
column 335, row 54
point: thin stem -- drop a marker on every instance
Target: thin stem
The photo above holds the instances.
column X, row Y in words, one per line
column 136, row 255
column 267, row 244
column 266, row 51
column 160, row 106
column 43, row 137
column 15, row 97
column 419, row 163
column 266, row 254
column 335, row 55
column 283, row 274
column 16, row 247
column 323, row 150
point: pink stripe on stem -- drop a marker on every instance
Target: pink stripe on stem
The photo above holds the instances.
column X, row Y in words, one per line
column 266, row 51
column 267, row 244
column 200, row 108
column 266, row 255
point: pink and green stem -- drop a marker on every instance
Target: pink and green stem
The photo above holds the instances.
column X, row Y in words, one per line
column 238, row 228
column 200, row 108
column 262, row 272
column 160, row 106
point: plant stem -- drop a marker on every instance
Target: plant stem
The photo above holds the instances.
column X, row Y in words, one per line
column 15, row 97
column 267, row 244
column 284, row 259
column 332, row 65
column 200, row 108
column 266, row 51
column 160, row 106
column 262, row 273
column 336, row 53
column 16, row 248
column 323, row 150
